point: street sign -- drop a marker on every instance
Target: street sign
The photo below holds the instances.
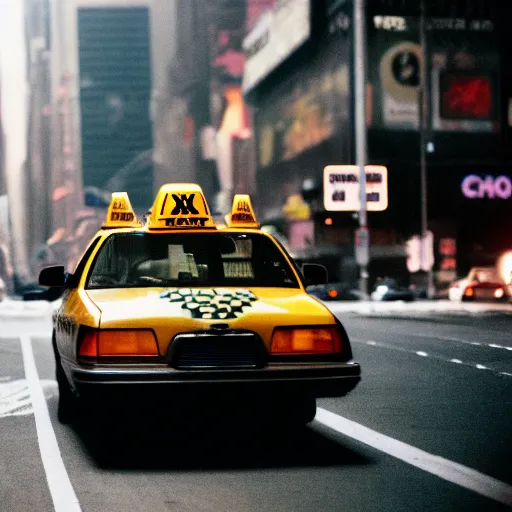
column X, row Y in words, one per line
column 362, row 246
column 341, row 188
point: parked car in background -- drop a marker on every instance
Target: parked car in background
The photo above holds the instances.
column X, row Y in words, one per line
column 388, row 289
column 481, row 283
column 334, row 291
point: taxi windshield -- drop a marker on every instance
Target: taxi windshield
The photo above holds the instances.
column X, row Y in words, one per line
column 141, row 260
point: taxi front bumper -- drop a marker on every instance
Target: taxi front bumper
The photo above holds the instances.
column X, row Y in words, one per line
column 318, row 380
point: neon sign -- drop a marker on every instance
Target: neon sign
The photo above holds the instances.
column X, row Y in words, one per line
column 476, row 187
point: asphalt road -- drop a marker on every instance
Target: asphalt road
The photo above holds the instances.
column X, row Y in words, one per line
column 429, row 424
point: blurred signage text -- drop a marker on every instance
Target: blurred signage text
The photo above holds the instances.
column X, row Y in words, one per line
column 341, row 188
column 393, row 23
column 402, row 24
column 476, row 187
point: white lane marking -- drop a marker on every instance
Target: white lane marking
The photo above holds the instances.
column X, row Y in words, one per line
column 15, row 397
column 59, row 484
column 443, row 468
column 459, row 340
column 478, row 366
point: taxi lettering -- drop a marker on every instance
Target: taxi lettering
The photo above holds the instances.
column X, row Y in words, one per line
column 119, row 205
column 184, row 205
column 184, row 221
column 122, row 216
column 242, row 217
column 242, row 206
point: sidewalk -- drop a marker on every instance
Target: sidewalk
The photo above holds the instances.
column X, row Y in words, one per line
column 18, row 308
column 420, row 308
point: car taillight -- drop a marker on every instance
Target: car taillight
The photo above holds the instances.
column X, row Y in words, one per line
column 332, row 293
column 469, row 292
column 118, row 343
column 318, row 340
column 89, row 344
column 499, row 293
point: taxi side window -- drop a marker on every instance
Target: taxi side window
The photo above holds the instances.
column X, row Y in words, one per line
column 74, row 278
column 111, row 265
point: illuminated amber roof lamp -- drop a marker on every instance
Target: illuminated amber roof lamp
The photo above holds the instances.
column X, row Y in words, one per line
column 178, row 206
column 242, row 213
column 120, row 213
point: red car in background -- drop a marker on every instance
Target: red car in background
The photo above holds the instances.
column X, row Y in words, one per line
column 482, row 283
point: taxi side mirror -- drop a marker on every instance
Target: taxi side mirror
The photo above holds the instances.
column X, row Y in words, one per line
column 53, row 277
column 314, row 274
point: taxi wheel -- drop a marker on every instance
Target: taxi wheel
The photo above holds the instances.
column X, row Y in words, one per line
column 297, row 411
column 307, row 410
column 66, row 405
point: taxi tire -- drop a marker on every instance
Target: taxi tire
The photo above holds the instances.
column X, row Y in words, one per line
column 66, row 408
column 306, row 410
column 297, row 411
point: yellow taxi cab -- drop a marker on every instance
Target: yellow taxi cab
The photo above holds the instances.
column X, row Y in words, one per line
column 179, row 306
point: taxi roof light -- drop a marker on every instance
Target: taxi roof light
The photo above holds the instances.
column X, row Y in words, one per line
column 317, row 340
column 178, row 206
column 120, row 213
column 242, row 213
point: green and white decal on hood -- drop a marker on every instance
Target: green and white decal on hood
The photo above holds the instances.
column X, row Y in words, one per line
column 211, row 304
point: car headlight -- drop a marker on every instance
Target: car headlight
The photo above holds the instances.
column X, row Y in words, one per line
column 499, row 293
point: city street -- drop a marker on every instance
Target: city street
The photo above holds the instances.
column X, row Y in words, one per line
column 428, row 428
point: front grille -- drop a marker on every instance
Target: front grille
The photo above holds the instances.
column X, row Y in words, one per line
column 203, row 350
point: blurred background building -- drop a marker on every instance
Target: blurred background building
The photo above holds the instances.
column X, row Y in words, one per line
column 257, row 96
column 303, row 101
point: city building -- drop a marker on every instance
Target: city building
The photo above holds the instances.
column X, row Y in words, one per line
column 13, row 112
column 217, row 137
column 303, row 101
column 110, row 64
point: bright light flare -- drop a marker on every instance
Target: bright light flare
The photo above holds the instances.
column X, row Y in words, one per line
column 498, row 293
column 505, row 267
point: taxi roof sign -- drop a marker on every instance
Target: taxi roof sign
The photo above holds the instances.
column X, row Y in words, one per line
column 180, row 205
column 120, row 213
column 242, row 213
